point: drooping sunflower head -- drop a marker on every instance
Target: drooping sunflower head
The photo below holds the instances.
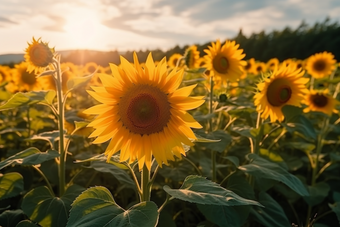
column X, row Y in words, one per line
column 143, row 112
column 191, row 57
column 172, row 62
column 320, row 101
column 225, row 61
column 285, row 86
column 39, row 55
column 320, row 65
column 25, row 80
column 272, row 64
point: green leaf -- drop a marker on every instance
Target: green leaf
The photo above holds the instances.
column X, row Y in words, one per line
column 204, row 140
column 26, row 223
column 11, row 184
column 336, row 209
column 96, row 207
column 317, row 193
column 233, row 159
column 290, row 112
column 224, row 216
column 11, row 217
column 196, row 189
column 30, row 156
column 271, row 214
column 28, row 98
column 115, row 160
column 77, row 81
column 303, row 146
column 301, row 124
column 262, row 168
column 50, row 137
column 223, row 136
column 80, row 125
column 271, row 155
column 42, row 207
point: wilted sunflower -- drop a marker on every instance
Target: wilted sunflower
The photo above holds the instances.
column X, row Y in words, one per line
column 285, row 86
column 143, row 112
column 26, row 81
column 172, row 62
column 39, row 55
column 320, row 101
column 225, row 61
column 272, row 64
column 191, row 57
column 320, row 65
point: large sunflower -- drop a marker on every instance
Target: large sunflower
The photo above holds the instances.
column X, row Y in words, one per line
column 25, row 80
column 39, row 55
column 143, row 112
column 320, row 101
column 285, row 86
column 320, row 65
column 225, row 61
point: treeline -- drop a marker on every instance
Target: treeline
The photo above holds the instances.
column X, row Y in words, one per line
column 297, row 43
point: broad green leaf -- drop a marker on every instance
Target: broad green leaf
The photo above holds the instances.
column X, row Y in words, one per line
column 244, row 131
column 204, row 140
column 317, row 193
column 28, row 98
column 77, row 81
column 178, row 171
column 96, row 207
column 11, row 184
column 239, row 185
column 263, row 168
column 196, row 189
column 30, row 156
column 271, row 155
column 26, row 223
column 50, row 137
column 102, row 158
column 80, row 124
column 222, row 136
column 233, row 159
column 42, row 207
column 11, row 217
column 290, row 112
column 224, row 216
column 271, row 214
column 303, row 146
column 336, row 209
column 301, row 124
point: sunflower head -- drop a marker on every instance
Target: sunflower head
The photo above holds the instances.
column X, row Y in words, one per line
column 225, row 60
column 260, row 67
column 321, row 64
column 143, row 112
column 320, row 101
column 172, row 62
column 250, row 66
column 272, row 64
column 26, row 80
column 284, row 86
column 191, row 57
column 39, row 55
column 5, row 74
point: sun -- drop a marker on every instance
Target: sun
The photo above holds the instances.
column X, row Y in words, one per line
column 82, row 28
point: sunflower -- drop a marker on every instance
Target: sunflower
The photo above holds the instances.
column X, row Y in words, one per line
column 172, row 62
column 272, row 64
column 250, row 66
column 225, row 61
column 320, row 65
column 300, row 64
column 5, row 74
column 39, row 55
column 143, row 112
column 25, row 80
column 285, row 86
column 320, row 101
column 191, row 57
column 260, row 67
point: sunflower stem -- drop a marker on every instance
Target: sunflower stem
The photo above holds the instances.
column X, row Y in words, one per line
column 213, row 153
column 145, row 184
column 61, row 119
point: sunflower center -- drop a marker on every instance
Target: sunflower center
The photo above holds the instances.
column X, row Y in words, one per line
column 319, row 65
column 144, row 109
column 40, row 56
column 28, row 78
column 278, row 92
column 319, row 100
column 259, row 69
column 248, row 66
column 174, row 62
column 221, row 64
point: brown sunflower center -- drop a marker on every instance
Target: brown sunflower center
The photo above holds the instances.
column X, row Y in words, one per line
column 40, row 55
column 319, row 100
column 319, row 65
column 174, row 62
column 278, row 92
column 144, row 109
column 220, row 64
column 28, row 78
column 248, row 66
column 259, row 68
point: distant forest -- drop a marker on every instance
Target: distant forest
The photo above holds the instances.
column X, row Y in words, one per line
column 297, row 43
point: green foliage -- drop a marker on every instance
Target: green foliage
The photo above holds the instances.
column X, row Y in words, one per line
column 11, row 184
column 96, row 207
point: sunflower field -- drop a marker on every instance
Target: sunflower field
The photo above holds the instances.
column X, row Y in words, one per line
column 185, row 141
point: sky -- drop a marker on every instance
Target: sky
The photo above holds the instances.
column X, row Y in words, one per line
column 123, row 25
